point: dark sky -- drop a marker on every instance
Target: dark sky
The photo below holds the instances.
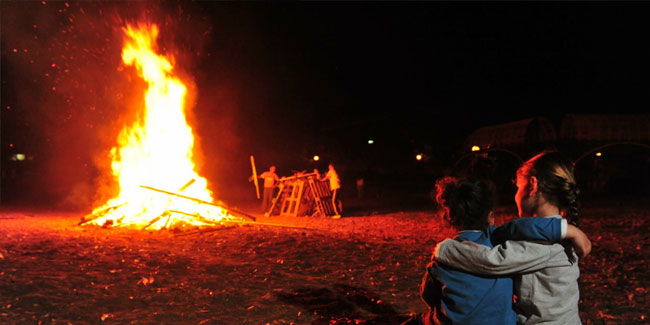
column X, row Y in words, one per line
column 437, row 69
column 287, row 80
column 445, row 59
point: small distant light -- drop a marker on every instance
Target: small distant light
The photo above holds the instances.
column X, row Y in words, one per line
column 11, row 145
column 371, row 141
column 418, row 157
column 316, row 158
column 18, row 157
column 598, row 154
column 476, row 148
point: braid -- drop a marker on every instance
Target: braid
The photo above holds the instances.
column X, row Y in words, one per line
column 557, row 182
column 572, row 204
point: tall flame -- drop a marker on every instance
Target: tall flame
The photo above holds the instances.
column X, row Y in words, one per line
column 156, row 150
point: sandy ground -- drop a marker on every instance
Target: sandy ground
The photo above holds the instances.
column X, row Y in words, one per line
column 362, row 269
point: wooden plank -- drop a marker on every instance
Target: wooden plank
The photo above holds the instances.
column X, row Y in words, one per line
column 257, row 186
column 198, row 201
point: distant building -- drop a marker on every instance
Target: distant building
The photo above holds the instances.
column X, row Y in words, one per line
column 518, row 137
column 611, row 152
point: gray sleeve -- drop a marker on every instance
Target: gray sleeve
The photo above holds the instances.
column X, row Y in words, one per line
column 510, row 257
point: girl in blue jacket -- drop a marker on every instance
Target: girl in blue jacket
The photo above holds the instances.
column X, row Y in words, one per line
column 459, row 297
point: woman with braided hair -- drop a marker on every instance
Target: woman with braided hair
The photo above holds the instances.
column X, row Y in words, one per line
column 545, row 293
column 454, row 296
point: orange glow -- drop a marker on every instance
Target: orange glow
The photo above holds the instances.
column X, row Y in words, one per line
column 598, row 154
column 476, row 148
column 156, row 149
column 316, row 158
column 418, row 157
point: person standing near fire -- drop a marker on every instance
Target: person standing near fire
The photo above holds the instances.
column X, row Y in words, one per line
column 335, row 185
column 270, row 178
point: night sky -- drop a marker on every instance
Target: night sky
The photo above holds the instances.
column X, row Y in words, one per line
column 285, row 81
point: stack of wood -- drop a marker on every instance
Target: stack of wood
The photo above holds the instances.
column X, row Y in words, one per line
column 168, row 214
column 302, row 194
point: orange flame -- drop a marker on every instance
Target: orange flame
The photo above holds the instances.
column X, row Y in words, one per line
column 156, row 150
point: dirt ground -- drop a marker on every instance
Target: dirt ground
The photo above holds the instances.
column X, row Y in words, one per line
column 362, row 269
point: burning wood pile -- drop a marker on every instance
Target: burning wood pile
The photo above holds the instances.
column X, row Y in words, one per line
column 213, row 214
column 153, row 155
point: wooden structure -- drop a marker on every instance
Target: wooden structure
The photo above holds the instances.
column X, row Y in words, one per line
column 302, row 194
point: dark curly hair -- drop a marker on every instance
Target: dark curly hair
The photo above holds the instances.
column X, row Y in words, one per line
column 556, row 181
column 466, row 203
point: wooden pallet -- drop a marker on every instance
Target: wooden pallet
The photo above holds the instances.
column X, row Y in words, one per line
column 302, row 195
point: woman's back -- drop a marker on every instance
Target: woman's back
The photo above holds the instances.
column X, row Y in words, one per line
column 549, row 295
column 546, row 285
column 545, row 275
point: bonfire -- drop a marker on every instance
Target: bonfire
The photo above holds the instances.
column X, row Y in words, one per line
column 152, row 161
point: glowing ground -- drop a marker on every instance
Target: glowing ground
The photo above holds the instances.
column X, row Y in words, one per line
column 358, row 269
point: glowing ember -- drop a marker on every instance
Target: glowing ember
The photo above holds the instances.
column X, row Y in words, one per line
column 156, row 151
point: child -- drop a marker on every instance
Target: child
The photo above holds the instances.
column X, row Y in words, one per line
column 546, row 293
column 458, row 297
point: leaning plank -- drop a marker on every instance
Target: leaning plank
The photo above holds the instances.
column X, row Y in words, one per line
column 154, row 220
column 199, row 201
column 196, row 216
column 267, row 224
column 100, row 213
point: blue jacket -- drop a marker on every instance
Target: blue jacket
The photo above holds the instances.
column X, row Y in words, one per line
column 459, row 297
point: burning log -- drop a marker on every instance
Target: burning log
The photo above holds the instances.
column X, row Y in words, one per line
column 196, row 216
column 199, row 201
column 240, row 223
column 187, row 185
column 154, row 220
column 100, row 214
column 244, row 223
column 204, row 231
column 169, row 218
column 267, row 224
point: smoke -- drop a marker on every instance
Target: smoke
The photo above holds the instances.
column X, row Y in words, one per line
column 66, row 94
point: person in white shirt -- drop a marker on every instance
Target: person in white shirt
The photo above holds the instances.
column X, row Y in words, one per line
column 270, row 178
column 335, row 185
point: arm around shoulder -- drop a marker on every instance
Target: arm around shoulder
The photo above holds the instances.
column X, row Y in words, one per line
column 530, row 228
column 507, row 258
column 580, row 240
